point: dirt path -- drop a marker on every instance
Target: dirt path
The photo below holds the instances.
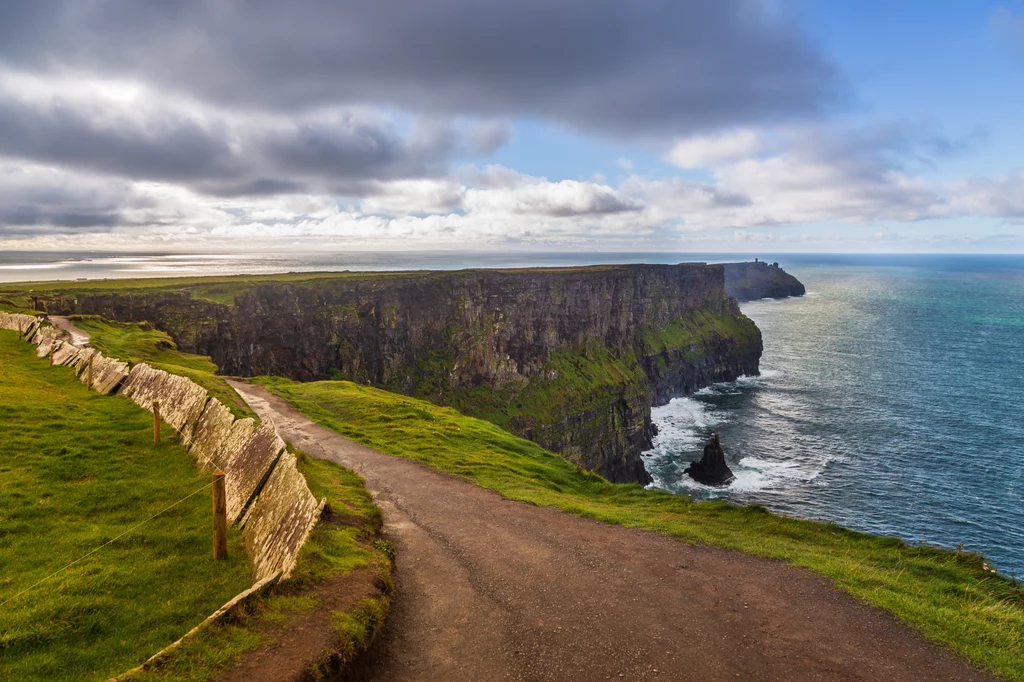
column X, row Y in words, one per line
column 75, row 335
column 491, row 589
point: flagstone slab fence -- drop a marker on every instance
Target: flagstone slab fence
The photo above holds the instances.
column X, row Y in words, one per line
column 267, row 496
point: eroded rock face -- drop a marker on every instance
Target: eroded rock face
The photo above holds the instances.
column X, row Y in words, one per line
column 751, row 281
column 711, row 469
column 570, row 358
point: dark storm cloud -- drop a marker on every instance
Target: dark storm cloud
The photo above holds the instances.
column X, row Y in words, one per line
column 218, row 152
column 636, row 67
column 36, row 202
column 165, row 146
column 20, row 221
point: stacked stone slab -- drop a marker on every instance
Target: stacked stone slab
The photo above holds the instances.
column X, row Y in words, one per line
column 280, row 519
column 266, row 493
column 26, row 324
column 281, row 515
column 250, row 467
column 210, row 435
column 246, row 451
column 181, row 400
column 45, row 338
column 107, row 374
column 66, row 355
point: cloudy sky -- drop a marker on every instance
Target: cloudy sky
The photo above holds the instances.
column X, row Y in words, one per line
column 627, row 125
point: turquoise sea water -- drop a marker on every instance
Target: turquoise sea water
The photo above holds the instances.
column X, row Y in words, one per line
column 891, row 401
column 891, row 398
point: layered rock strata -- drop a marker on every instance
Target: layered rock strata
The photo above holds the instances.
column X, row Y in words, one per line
column 752, row 281
column 571, row 358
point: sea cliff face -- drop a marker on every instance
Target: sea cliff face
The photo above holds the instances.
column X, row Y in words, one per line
column 570, row 358
column 751, row 281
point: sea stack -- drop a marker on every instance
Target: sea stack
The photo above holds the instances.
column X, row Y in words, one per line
column 711, row 469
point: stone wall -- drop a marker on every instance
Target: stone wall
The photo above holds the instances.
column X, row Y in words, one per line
column 266, row 495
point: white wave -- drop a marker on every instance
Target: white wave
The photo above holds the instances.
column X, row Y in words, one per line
column 758, row 474
column 681, row 419
column 751, row 474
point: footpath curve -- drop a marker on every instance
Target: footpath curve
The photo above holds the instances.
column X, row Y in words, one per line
column 488, row 588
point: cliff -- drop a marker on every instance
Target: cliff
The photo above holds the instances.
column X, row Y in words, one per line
column 751, row 281
column 570, row 358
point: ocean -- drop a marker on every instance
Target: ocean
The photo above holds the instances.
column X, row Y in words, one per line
column 889, row 401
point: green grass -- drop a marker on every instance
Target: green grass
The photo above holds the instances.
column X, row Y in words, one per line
column 950, row 597
column 76, row 470
column 10, row 307
column 139, row 342
column 342, row 544
column 221, row 288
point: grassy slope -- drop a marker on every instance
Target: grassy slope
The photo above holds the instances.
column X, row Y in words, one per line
column 951, row 598
column 332, row 551
column 76, row 470
column 337, row 547
column 139, row 342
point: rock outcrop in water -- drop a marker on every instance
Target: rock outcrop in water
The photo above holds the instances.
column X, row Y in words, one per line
column 751, row 281
column 711, row 469
column 570, row 358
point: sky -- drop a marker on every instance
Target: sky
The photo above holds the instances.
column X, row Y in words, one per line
column 565, row 125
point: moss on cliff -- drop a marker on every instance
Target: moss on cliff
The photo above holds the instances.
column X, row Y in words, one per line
column 692, row 333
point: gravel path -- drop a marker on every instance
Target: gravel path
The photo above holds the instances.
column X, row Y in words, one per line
column 75, row 335
column 492, row 589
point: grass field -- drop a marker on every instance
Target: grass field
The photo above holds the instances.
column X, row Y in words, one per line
column 140, row 342
column 76, row 470
column 345, row 542
column 949, row 597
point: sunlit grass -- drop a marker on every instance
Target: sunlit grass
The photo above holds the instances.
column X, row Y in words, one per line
column 76, row 470
column 335, row 549
column 139, row 342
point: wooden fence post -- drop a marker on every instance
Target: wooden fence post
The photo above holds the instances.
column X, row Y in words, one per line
column 53, row 345
column 156, row 422
column 20, row 330
column 88, row 378
column 220, row 517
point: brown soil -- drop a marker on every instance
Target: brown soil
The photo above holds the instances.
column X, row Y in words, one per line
column 491, row 589
column 306, row 638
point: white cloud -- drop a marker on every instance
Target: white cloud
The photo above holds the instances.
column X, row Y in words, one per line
column 813, row 178
column 1001, row 196
column 402, row 197
column 563, row 199
column 710, row 150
